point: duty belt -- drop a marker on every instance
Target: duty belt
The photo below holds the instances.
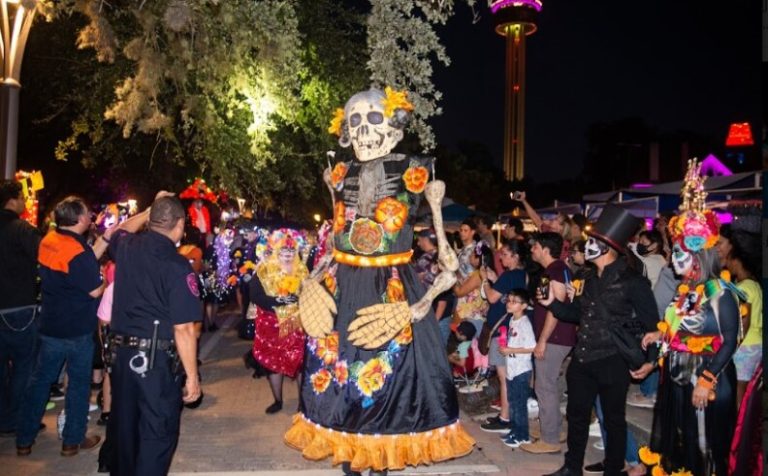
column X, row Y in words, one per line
column 140, row 343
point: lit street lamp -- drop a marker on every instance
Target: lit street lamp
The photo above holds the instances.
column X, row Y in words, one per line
column 16, row 20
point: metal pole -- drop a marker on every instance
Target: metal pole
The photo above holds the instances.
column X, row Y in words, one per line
column 9, row 126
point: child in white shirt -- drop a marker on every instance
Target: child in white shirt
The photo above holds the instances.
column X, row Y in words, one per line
column 520, row 345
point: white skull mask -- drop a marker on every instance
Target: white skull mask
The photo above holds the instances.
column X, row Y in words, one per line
column 594, row 249
column 370, row 132
column 682, row 261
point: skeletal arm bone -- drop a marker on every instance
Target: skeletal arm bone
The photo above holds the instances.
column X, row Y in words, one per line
column 446, row 257
column 442, row 283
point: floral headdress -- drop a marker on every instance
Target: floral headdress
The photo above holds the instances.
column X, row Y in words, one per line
column 392, row 101
column 283, row 238
column 695, row 228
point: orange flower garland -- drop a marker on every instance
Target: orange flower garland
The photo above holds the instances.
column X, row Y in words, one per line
column 405, row 336
column 391, row 214
column 698, row 344
column 658, row 471
column 339, row 220
column 416, row 179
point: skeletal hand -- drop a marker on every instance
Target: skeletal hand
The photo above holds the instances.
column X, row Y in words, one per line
column 316, row 309
column 375, row 325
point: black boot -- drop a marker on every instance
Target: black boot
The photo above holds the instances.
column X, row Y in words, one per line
column 347, row 469
column 275, row 407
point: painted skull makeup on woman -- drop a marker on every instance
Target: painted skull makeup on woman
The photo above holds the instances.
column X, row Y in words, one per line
column 286, row 255
column 682, row 261
column 594, row 249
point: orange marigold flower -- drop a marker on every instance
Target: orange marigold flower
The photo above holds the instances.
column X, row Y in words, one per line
column 658, row 471
column 700, row 289
column 648, row 457
column 341, row 372
column 339, row 220
column 698, row 344
column 395, row 290
column 328, row 348
column 416, row 179
column 663, row 326
column 338, row 173
column 405, row 336
column 338, row 118
column 330, row 283
column 320, row 381
column 395, row 100
column 683, row 289
column 391, row 214
column 372, row 376
column 725, row 275
column 232, row 280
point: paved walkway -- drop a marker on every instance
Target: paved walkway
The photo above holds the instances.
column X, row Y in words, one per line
column 230, row 434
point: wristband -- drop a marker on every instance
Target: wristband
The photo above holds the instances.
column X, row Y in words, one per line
column 703, row 382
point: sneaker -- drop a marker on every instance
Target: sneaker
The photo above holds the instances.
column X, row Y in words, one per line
column 533, row 408
column 496, row 404
column 92, row 407
column 498, row 426
column 595, row 468
column 599, row 445
column 641, row 401
column 56, row 394
column 493, row 419
column 473, row 388
column 514, row 443
column 540, row 447
column 594, row 429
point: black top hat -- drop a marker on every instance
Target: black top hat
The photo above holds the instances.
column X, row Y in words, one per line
column 615, row 226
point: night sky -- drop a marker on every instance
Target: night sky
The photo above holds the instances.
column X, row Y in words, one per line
column 692, row 65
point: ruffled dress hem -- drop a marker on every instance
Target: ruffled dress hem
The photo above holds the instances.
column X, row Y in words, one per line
column 378, row 452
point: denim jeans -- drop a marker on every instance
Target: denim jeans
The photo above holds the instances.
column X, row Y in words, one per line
column 518, row 390
column 631, row 455
column 445, row 329
column 77, row 352
column 18, row 346
column 649, row 386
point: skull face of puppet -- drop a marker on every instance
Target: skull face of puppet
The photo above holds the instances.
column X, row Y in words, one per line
column 370, row 132
column 682, row 261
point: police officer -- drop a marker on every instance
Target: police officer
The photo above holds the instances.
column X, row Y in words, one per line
column 156, row 302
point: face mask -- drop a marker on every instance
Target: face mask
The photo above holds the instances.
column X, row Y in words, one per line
column 594, row 249
column 682, row 261
column 642, row 250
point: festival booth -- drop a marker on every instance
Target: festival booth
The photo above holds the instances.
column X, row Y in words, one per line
column 453, row 214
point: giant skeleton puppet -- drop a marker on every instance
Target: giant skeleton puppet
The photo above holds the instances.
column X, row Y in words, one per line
column 377, row 390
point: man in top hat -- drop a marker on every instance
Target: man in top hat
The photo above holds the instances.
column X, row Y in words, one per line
column 612, row 293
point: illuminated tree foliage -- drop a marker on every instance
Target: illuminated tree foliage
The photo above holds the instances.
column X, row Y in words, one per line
column 245, row 89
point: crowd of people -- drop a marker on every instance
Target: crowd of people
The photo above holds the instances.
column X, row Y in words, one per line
column 524, row 306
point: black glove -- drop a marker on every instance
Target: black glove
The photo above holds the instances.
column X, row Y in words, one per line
column 289, row 299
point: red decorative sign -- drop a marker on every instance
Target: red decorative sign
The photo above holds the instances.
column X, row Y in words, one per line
column 739, row 135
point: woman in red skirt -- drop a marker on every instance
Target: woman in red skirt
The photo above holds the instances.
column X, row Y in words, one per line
column 278, row 345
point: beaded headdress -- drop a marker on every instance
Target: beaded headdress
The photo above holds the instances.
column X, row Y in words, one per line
column 695, row 228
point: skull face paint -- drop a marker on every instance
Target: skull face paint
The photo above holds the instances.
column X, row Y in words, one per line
column 370, row 133
column 594, row 249
column 682, row 261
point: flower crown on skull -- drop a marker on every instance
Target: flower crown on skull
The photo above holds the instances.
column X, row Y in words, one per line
column 372, row 121
column 695, row 228
column 283, row 238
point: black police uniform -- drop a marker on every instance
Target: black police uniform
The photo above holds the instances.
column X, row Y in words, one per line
column 152, row 282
